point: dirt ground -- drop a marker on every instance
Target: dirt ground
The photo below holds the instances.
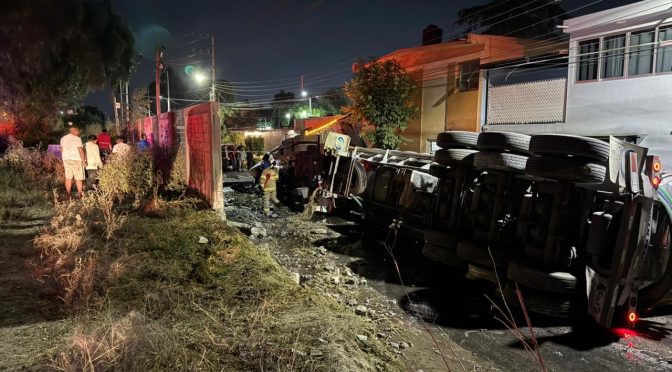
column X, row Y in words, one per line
column 323, row 254
column 27, row 325
column 455, row 310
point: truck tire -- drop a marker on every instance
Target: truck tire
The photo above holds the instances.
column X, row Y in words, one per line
column 500, row 161
column 576, row 146
column 457, row 139
column 504, row 141
column 551, row 281
column 453, row 156
column 443, row 255
column 359, row 180
column 438, row 170
column 538, row 302
column 477, row 272
column 478, row 254
column 416, row 163
column 566, row 169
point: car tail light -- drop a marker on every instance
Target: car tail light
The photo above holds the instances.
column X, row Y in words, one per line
column 653, row 170
column 632, row 317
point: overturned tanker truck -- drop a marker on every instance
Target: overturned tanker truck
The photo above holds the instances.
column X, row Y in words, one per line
column 577, row 224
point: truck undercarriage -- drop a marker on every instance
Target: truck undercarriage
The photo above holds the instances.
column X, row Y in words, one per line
column 578, row 225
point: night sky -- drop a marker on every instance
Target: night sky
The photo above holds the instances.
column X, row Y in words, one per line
column 267, row 45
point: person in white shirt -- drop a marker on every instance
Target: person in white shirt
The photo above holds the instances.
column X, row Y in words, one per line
column 93, row 162
column 72, row 153
column 120, row 147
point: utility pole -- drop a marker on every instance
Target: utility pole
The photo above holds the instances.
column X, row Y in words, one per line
column 168, row 87
column 128, row 106
column 116, row 113
column 157, row 55
column 119, row 118
column 212, row 69
column 301, row 84
column 303, row 93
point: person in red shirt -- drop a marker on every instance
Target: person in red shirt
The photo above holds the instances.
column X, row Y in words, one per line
column 105, row 142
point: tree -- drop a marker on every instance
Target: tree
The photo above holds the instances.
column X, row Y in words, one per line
column 139, row 105
column 332, row 101
column 53, row 55
column 380, row 95
column 283, row 103
column 85, row 116
column 517, row 18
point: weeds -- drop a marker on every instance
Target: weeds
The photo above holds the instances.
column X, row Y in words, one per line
column 224, row 304
column 146, row 293
column 508, row 320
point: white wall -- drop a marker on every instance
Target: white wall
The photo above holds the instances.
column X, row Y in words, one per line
column 637, row 106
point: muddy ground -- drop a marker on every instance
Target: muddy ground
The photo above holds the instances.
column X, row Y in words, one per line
column 436, row 313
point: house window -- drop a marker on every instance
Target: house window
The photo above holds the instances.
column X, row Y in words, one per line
column 604, row 58
column 589, row 52
column 468, row 78
column 613, row 52
column 664, row 57
column 640, row 58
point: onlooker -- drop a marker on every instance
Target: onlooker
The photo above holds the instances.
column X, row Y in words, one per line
column 121, row 148
column 268, row 183
column 250, row 159
column 93, row 162
column 240, row 156
column 105, row 142
column 74, row 160
column 143, row 144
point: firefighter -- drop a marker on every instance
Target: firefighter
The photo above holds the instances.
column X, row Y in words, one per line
column 268, row 183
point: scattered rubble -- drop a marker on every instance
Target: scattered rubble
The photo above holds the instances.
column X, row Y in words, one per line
column 361, row 310
column 258, row 232
column 296, row 277
column 303, row 248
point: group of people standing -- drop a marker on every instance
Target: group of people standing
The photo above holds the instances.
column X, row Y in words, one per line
column 235, row 157
column 83, row 161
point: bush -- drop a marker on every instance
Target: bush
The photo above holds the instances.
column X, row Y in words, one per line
column 128, row 175
column 177, row 180
column 43, row 169
column 255, row 143
column 92, row 129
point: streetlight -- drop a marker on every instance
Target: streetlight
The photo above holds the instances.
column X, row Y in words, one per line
column 304, row 94
column 199, row 77
column 288, row 116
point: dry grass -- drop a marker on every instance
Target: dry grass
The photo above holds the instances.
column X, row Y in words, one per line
column 141, row 292
column 223, row 305
column 507, row 319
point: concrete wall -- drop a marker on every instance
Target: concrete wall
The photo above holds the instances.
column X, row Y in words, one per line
column 272, row 138
column 432, row 111
column 639, row 106
column 412, row 132
column 462, row 111
column 440, row 108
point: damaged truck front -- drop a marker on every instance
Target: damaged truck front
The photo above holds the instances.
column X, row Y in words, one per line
column 577, row 224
